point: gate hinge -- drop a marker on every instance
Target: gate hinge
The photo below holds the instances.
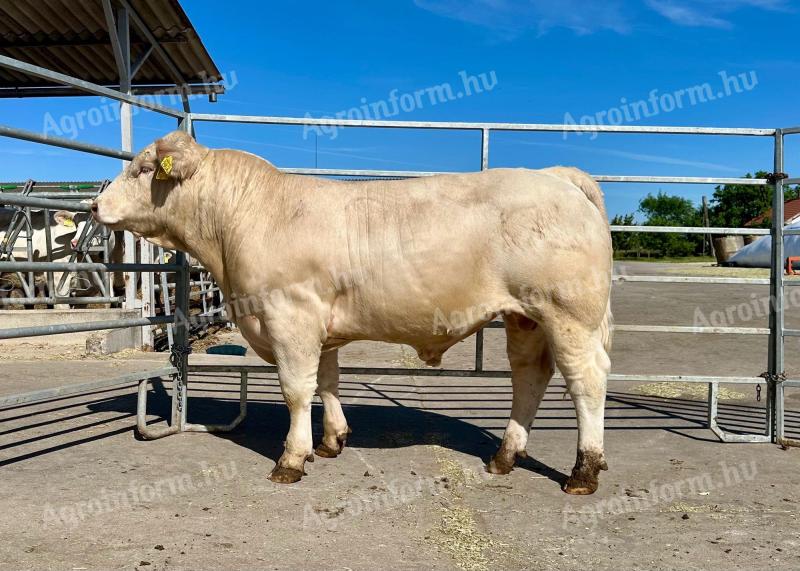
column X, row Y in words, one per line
column 774, row 177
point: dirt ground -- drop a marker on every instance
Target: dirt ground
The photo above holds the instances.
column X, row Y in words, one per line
column 79, row 491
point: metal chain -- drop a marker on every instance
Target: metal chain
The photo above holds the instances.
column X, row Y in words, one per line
column 176, row 355
column 177, row 352
column 770, row 378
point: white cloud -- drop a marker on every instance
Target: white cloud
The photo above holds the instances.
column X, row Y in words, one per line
column 707, row 13
column 510, row 18
column 639, row 157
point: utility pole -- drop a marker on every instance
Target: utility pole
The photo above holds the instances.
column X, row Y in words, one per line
column 706, row 224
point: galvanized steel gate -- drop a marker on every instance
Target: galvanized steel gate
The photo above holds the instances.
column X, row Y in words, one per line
column 773, row 378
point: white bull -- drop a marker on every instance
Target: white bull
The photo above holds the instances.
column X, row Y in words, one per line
column 312, row 264
column 63, row 231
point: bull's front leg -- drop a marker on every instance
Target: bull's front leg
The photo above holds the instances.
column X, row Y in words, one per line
column 296, row 346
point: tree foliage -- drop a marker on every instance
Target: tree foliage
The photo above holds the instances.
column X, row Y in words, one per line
column 734, row 205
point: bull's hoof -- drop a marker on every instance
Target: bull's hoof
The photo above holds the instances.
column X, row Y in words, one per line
column 283, row 475
column 498, row 466
column 578, row 487
column 325, row 451
column 503, row 462
column 584, row 478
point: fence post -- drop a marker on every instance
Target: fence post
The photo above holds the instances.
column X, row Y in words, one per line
column 775, row 369
column 180, row 348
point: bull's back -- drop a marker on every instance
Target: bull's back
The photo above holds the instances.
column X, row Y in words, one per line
column 440, row 245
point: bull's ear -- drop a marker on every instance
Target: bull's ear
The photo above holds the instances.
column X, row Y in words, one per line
column 65, row 218
column 179, row 156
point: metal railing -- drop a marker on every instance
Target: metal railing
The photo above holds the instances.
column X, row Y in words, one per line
column 770, row 378
column 774, row 377
column 92, row 241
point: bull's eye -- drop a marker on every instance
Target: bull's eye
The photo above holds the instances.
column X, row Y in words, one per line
column 145, row 170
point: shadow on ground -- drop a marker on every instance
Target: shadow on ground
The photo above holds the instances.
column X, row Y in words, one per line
column 386, row 424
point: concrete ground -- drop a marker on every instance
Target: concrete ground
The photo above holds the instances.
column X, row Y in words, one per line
column 79, row 491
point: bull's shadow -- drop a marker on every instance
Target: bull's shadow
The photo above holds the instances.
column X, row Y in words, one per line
column 374, row 426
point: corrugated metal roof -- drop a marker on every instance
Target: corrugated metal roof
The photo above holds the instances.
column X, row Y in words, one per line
column 71, row 37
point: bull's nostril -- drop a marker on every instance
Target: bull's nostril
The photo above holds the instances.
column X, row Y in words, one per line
column 94, row 207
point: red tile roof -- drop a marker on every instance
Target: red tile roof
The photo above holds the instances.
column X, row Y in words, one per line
column 791, row 209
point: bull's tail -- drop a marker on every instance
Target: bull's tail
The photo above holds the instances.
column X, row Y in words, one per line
column 607, row 328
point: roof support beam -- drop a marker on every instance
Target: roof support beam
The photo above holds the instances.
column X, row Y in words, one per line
column 139, row 23
column 116, row 46
column 89, row 88
column 140, row 62
column 197, row 89
column 78, row 42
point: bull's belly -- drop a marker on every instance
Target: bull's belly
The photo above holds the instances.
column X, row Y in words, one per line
column 430, row 329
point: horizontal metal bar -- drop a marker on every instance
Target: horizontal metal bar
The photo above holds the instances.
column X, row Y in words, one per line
column 394, row 371
column 209, row 319
column 791, row 332
column 791, row 130
column 18, row 332
column 685, row 329
column 53, row 195
column 55, row 300
column 692, row 230
column 94, row 89
column 85, row 266
column 191, row 89
column 791, row 181
column 681, row 179
column 690, row 280
column 791, row 232
column 365, row 173
column 24, row 135
column 599, row 178
column 19, row 200
column 47, row 394
column 458, row 125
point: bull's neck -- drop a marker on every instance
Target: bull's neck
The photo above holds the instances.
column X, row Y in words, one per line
column 192, row 224
column 211, row 211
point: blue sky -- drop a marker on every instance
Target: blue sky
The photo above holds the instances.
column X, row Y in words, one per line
column 542, row 61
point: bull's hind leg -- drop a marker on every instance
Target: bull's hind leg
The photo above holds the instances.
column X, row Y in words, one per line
column 584, row 362
column 333, row 421
column 531, row 370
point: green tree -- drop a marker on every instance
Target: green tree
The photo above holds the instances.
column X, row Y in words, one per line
column 625, row 242
column 733, row 205
column 665, row 209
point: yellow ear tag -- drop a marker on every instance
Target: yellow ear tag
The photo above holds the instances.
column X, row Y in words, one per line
column 166, row 168
column 69, row 223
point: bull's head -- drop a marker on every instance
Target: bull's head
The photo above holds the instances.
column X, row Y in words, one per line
column 142, row 198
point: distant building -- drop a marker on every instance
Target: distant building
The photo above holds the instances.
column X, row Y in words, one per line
column 791, row 213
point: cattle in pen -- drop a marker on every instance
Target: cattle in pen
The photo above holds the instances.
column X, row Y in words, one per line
column 14, row 242
column 531, row 245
